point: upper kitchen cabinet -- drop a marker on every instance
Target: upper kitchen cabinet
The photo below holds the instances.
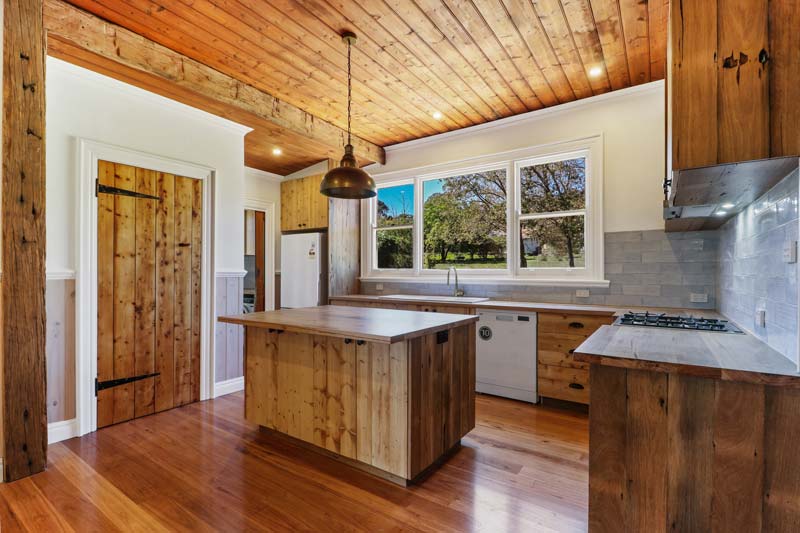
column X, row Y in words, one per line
column 733, row 81
column 732, row 113
column 303, row 207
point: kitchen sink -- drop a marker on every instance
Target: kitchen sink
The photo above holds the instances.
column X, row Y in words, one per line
column 450, row 299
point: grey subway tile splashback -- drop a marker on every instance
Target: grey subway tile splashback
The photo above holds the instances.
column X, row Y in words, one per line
column 650, row 268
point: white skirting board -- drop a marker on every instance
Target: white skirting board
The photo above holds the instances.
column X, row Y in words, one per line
column 58, row 431
column 227, row 387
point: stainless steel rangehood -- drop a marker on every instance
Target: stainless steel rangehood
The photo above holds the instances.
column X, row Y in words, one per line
column 704, row 198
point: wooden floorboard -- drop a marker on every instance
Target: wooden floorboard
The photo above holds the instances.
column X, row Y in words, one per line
column 202, row 467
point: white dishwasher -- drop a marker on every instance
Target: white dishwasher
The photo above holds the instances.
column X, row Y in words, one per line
column 506, row 354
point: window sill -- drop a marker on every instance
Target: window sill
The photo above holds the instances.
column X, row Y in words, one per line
column 486, row 280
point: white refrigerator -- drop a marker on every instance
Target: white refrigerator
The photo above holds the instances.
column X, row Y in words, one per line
column 304, row 270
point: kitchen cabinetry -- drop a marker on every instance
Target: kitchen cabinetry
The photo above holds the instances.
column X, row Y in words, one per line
column 303, row 207
column 560, row 376
column 732, row 81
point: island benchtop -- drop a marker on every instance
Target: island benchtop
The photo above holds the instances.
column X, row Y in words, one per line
column 361, row 323
column 724, row 356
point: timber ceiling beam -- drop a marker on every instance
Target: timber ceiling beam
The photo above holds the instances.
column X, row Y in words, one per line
column 68, row 23
column 23, row 411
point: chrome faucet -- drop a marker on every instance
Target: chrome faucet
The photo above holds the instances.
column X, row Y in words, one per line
column 456, row 290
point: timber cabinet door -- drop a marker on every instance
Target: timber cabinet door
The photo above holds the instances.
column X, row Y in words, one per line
column 149, row 230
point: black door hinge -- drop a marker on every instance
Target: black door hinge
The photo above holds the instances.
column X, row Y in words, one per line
column 106, row 189
column 102, row 385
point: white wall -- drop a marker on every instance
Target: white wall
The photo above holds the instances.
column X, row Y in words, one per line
column 81, row 103
column 316, row 168
column 632, row 122
column 266, row 186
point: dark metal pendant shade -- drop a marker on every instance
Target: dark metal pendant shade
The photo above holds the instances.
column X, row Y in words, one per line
column 347, row 180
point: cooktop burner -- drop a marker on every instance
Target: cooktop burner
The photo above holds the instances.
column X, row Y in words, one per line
column 662, row 320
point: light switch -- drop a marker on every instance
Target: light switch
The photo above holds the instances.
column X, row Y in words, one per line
column 379, row 286
column 582, row 293
column 790, row 252
column 698, row 298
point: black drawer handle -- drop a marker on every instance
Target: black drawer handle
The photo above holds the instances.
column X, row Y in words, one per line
column 576, row 386
column 576, row 325
column 572, row 351
column 360, row 343
column 348, row 341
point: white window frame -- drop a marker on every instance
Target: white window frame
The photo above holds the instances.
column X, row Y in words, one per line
column 592, row 275
column 590, row 241
column 372, row 229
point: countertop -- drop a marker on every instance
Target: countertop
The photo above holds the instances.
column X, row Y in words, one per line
column 360, row 323
column 493, row 304
column 724, row 356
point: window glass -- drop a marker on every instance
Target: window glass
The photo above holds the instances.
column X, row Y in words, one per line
column 394, row 235
column 548, row 240
column 554, row 186
column 464, row 221
column 556, row 242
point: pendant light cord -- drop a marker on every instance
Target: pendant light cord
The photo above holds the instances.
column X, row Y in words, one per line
column 349, row 91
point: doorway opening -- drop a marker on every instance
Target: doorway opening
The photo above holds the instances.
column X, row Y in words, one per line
column 192, row 267
column 255, row 261
column 259, row 257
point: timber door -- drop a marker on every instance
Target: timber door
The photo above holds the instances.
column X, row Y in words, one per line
column 149, row 229
column 261, row 296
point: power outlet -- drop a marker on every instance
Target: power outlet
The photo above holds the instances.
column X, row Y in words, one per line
column 379, row 286
column 582, row 293
column 698, row 298
column 761, row 318
column 790, row 252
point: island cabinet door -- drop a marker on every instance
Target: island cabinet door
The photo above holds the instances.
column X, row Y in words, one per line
column 441, row 394
column 344, row 395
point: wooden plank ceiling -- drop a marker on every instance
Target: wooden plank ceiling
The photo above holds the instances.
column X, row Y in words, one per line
column 473, row 61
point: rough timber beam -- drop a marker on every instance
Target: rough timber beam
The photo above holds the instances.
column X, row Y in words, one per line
column 68, row 23
column 23, row 410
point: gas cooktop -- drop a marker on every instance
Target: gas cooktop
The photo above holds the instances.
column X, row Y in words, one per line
column 663, row 320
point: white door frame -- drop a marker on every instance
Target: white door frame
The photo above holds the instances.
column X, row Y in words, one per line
column 268, row 208
column 89, row 153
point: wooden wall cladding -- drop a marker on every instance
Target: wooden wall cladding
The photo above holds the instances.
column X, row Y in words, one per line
column 344, row 245
column 23, row 408
column 671, row 452
column 395, row 407
column 228, row 338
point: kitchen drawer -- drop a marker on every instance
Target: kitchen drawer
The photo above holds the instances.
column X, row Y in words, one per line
column 561, row 383
column 557, row 349
column 583, row 325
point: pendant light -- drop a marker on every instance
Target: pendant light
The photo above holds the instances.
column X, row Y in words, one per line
column 347, row 180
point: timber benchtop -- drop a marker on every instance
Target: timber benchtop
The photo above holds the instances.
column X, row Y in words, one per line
column 361, row 323
column 724, row 356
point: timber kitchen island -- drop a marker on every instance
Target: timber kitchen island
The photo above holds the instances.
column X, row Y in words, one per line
column 388, row 391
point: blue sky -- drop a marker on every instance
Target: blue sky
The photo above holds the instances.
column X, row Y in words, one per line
column 393, row 196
